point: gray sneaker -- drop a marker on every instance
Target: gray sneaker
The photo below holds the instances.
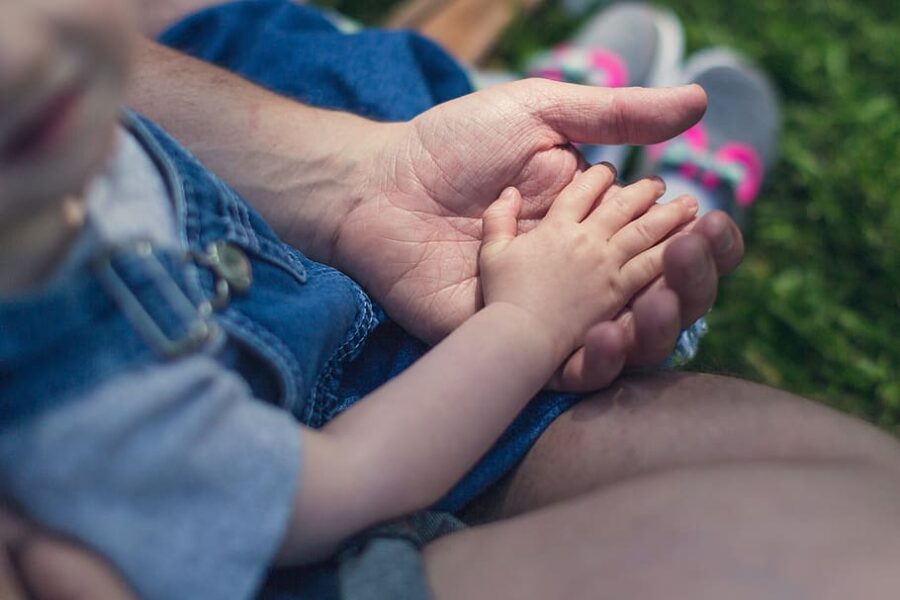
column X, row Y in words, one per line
column 729, row 151
column 627, row 44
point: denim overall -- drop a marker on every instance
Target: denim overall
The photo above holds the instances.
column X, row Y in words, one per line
column 298, row 52
column 393, row 76
column 302, row 335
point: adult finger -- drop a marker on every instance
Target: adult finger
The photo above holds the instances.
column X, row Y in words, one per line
column 724, row 239
column 596, row 115
column 13, row 530
column 597, row 363
column 654, row 327
column 55, row 568
column 48, row 566
column 692, row 268
column 690, row 272
column 9, row 583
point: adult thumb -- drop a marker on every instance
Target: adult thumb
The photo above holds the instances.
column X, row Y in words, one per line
column 596, row 115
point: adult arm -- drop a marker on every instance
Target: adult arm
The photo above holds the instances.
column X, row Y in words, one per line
column 397, row 206
column 402, row 447
column 300, row 166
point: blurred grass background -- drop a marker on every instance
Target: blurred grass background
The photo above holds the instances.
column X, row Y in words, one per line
column 815, row 308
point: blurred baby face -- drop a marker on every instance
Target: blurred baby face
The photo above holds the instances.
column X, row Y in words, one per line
column 62, row 73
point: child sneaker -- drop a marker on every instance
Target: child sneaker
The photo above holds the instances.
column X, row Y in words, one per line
column 628, row 44
column 722, row 159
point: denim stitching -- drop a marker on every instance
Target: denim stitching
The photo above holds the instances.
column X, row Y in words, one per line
column 240, row 221
column 328, row 380
column 260, row 339
column 268, row 344
column 187, row 220
column 273, row 252
column 244, row 212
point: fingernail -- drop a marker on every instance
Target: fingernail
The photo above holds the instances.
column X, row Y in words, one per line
column 611, row 167
column 691, row 204
column 508, row 194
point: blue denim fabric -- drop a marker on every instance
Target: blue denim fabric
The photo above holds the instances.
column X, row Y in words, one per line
column 299, row 321
column 137, row 307
column 294, row 50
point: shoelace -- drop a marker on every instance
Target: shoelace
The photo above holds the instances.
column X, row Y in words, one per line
column 589, row 66
column 734, row 164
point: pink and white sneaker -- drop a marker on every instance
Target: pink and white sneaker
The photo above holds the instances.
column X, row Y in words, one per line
column 725, row 156
column 627, row 44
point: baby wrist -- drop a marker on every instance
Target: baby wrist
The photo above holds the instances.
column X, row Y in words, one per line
column 555, row 341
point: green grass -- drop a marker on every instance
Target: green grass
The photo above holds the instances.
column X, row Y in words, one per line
column 815, row 308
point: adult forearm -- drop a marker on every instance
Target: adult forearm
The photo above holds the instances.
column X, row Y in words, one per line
column 303, row 168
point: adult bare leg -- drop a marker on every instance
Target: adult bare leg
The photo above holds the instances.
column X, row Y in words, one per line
column 661, row 421
column 814, row 530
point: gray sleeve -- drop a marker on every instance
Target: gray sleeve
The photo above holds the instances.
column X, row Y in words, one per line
column 174, row 473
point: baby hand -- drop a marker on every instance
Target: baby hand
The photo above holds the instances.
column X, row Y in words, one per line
column 582, row 263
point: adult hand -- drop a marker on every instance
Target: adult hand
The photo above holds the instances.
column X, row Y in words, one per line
column 645, row 333
column 398, row 206
column 38, row 565
column 413, row 240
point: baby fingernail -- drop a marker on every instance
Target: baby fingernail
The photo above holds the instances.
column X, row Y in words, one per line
column 691, row 203
column 611, row 167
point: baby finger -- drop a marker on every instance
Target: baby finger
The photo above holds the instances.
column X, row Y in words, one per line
column 618, row 210
column 578, row 198
column 655, row 225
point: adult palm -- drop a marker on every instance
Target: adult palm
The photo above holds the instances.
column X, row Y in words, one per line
column 435, row 175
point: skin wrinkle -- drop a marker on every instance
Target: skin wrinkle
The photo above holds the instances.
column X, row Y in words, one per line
column 356, row 200
column 651, row 522
column 535, row 194
column 544, row 104
column 432, row 175
column 428, row 257
column 620, row 124
column 493, row 120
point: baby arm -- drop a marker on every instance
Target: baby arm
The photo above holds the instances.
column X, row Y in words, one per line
column 407, row 443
